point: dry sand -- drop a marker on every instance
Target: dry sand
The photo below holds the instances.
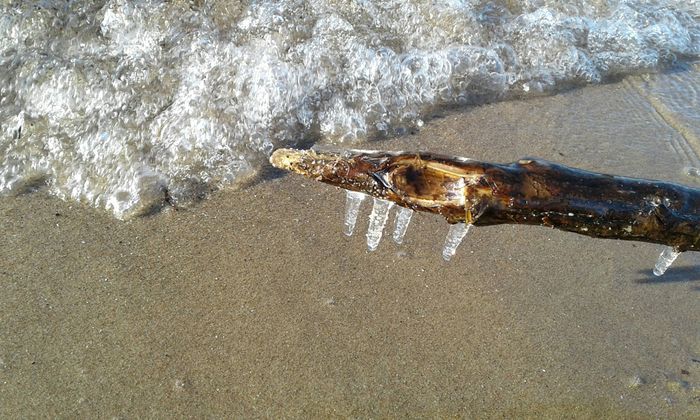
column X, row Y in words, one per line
column 253, row 304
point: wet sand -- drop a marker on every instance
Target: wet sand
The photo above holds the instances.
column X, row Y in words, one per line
column 253, row 303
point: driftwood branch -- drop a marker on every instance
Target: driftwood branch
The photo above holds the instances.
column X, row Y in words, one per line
column 529, row 191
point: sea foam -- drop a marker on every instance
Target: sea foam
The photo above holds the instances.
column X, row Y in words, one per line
column 127, row 105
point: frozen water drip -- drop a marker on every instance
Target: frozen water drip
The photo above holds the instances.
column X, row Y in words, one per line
column 352, row 209
column 667, row 257
column 454, row 237
column 403, row 218
column 377, row 220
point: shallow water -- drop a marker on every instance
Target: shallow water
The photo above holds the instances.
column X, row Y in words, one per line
column 128, row 105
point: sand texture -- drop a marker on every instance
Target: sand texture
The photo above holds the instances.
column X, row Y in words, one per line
column 252, row 303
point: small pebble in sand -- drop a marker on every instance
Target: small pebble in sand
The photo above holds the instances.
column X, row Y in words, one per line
column 636, row 381
column 692, row 171
column 179, row 384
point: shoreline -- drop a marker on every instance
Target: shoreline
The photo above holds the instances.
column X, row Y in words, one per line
column 253, row 302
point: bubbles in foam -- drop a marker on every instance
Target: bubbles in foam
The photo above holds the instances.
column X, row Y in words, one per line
column 126, row 104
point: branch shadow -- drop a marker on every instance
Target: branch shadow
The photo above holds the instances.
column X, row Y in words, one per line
column 269, row 173
column 684, row 274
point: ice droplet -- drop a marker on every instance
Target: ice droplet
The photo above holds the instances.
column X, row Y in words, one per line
column 403, row 218
column 377, row 220
column 352, row 209
column 454, row 237
column 667, row 257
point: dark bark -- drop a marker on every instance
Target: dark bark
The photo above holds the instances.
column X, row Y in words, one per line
column 538, row 192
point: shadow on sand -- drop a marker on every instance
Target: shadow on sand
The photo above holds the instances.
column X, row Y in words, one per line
column 687, row 274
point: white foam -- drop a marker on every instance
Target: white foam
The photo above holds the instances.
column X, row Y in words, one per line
column 123, row 100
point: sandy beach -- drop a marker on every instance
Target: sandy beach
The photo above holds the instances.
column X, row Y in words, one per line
column 252, row 303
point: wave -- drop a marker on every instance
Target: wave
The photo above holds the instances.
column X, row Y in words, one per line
column 127, row 105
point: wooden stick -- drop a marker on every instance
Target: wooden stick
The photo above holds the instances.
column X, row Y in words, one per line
column 529, row 191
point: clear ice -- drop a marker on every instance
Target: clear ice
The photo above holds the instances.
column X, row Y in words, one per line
column 455, row 235
column 352, row 209
column 667, row 257
column 403, row 218
column 377, row 220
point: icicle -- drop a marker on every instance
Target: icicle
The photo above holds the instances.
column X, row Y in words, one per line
column 377, row 220
column 352, row 209
column 668, row 255
column 455, row 235
column 403, row 218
